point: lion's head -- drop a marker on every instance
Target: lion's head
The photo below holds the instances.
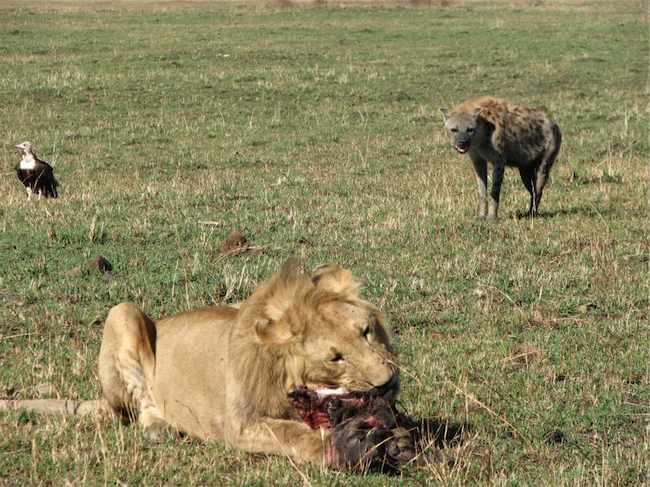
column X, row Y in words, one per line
column 313, row 330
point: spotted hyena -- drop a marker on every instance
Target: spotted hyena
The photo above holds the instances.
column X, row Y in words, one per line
column 490, row 129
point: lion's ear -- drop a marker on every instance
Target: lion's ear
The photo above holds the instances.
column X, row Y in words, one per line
column 336, row 279
column 283, row 288
column 290, row 271
column 277, row 332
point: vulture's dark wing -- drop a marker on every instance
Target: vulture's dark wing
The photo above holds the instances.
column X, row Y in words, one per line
column 45, row 182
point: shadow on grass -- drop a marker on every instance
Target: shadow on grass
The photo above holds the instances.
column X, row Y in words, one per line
column 430, row 436
column 572, row 211
column 418, row 444
column 440, row 432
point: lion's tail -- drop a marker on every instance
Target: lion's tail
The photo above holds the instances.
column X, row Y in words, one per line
column 67, row 407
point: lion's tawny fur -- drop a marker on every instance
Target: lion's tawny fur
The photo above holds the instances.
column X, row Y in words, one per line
column 223, row 373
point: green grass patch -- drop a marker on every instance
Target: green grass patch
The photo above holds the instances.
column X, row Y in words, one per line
column 315, row 132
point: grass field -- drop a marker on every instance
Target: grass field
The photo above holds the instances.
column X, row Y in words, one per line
column 315, row 131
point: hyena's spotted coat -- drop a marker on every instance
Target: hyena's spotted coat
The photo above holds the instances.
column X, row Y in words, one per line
column 490, row 129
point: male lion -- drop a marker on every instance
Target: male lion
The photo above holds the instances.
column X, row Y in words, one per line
column 224, row 373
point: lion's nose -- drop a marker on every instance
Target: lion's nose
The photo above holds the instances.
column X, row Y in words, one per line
column 391, row 385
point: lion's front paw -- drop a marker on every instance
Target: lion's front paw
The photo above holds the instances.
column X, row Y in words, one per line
column 159, row 432
column 315, row 447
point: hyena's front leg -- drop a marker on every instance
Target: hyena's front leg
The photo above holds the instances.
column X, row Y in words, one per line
column 480, row 172
column 498, row 170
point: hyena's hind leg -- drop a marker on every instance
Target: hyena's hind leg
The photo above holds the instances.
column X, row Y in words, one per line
column 126, row 366
column 528, row 178
column 544, row 168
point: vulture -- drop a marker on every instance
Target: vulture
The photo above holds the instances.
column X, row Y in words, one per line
column 36, row 175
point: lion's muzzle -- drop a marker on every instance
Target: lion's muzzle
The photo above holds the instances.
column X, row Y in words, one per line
column 388, row 390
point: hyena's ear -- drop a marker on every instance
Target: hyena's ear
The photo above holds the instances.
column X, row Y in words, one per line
column 445, row 114
column 336, row 279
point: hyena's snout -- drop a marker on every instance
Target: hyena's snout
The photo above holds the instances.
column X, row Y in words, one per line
column 462, row 144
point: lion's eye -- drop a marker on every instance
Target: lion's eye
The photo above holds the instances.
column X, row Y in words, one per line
column 470, row 130
column 366, row 332
column 337, row 358
column 454, row 130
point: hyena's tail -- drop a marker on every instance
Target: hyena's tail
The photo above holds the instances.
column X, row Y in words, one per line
column 557, row 135
column 55, row 406
column 548, row 158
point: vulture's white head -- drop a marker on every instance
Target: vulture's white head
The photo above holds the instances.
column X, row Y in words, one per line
column 25, row 148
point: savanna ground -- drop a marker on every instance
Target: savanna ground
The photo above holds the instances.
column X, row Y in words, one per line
column 314, row 130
